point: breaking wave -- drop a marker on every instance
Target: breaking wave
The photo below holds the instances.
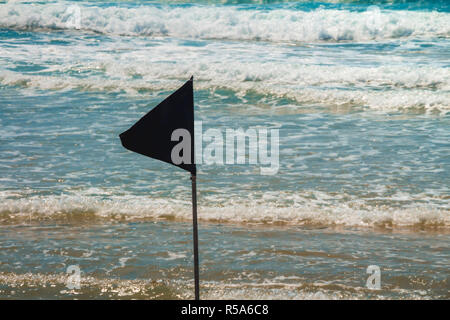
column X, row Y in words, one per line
column 139, row 208
column 229, row 22
column 399, row 89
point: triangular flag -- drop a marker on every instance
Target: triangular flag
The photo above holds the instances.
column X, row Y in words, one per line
column 157, row 134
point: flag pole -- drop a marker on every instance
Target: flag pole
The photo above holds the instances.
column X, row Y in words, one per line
column 195, row 233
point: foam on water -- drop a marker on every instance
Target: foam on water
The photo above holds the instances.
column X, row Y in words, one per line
column 390, row 101
column 232, row 23
column 391, row 83
column 153, row 260
column 139, row 208
column 36, row 285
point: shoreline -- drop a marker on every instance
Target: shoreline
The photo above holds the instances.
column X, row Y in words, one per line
column 154, row 260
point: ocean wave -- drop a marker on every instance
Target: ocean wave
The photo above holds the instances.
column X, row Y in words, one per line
column 139, row 208
column 306, row 75
column 396, row 91
column 230, row 23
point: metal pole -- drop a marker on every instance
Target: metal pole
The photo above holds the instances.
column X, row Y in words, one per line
column 195, row 232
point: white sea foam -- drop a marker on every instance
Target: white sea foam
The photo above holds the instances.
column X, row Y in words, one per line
column 397, row 87
column 54, row 286
column 349, row 214
column 231, row 23
column 379, row 100
column 308, row 76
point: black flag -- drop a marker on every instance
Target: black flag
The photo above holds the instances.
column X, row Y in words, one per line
column 155, row 135
column 166, row 133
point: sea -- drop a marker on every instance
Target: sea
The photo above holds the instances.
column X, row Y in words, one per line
column 359, row 92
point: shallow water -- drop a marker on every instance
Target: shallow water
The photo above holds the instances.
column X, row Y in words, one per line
column 360, row 95
column 154, row 260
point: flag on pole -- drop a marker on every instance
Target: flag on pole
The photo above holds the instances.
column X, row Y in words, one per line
column 166, row 133
column 157, row 134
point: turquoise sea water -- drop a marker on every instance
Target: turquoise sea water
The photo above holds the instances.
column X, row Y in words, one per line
column 360, row 93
